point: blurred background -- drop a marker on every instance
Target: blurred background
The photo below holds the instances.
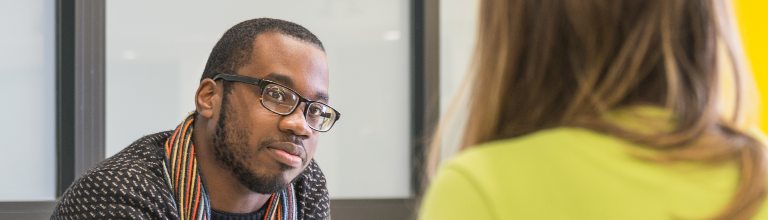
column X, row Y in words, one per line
column 82, row 79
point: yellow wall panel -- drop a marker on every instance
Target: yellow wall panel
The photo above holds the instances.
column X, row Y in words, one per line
column 753, row 24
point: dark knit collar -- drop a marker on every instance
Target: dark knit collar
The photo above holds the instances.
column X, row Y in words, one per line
column 221, row 215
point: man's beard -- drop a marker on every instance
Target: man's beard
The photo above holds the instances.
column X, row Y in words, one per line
column 231, row 149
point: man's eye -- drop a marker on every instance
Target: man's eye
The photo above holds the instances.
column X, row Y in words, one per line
column 318, row 111
column 315, row 111
column 276, row 94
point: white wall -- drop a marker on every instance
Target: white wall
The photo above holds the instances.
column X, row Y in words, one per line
column 156, row 51
column 27, row 52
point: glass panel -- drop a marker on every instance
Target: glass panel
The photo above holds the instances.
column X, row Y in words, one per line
column 27, row 49
column 367, row 41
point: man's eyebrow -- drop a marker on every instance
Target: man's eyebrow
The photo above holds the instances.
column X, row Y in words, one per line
column 280, row 78
column 287, row 81
column 321, row 96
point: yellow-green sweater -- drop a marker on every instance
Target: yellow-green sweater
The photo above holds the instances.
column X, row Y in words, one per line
column 574, row 173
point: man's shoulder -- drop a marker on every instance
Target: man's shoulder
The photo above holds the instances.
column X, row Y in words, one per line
column 127, row 184
column 147, row 150
column 143, row 157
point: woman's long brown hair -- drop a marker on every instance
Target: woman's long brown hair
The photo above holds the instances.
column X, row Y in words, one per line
column 540, row 64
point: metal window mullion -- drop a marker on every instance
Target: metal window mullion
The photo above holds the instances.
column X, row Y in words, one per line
column 425, row 84
column 89, row 84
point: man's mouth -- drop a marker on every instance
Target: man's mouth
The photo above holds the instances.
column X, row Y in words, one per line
column 287, row 153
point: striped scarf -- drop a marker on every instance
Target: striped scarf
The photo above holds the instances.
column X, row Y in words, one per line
column 183, row 177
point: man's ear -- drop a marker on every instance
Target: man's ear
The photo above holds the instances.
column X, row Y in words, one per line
column 207, row 98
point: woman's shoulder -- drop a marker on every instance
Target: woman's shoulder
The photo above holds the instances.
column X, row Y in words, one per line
column 541, row 157
column 537, row 148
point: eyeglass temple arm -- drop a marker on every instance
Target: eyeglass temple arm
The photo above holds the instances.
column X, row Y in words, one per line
column 239, row 78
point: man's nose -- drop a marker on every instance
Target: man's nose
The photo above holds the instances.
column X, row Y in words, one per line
column 295, row 123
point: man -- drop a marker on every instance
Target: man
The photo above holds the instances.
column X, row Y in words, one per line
column 245, row 153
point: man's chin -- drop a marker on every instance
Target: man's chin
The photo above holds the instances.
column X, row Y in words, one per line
column 264, row 188
column 260, row 183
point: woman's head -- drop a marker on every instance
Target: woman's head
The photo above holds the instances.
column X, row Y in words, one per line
column 546, row 63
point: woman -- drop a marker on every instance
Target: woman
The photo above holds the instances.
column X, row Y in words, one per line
column 601, row 109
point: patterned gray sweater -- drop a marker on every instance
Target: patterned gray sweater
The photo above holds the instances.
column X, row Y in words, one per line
column 130, row 185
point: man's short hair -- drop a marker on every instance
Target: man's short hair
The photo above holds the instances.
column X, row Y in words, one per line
column 236, row 45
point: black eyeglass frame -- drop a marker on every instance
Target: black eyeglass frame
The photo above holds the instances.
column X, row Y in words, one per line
column 262, row 84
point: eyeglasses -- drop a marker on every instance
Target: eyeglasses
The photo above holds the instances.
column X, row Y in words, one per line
column 283, row 101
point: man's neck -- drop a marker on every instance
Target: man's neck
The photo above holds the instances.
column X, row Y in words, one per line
column 225, row 192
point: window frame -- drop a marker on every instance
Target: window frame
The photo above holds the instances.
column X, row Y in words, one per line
column 80, row 61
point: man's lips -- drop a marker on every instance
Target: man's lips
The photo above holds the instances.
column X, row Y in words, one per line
column 287, row 153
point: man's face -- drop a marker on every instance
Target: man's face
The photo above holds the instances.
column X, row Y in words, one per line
column 264, row 150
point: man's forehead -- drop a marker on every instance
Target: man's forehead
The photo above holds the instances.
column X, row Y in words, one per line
column 291, row 62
